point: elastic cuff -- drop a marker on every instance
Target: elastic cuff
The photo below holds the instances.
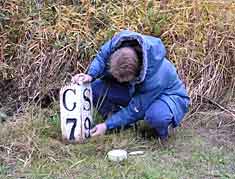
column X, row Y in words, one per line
column 109, row 125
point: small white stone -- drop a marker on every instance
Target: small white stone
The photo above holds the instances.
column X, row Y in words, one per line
column 117, row 155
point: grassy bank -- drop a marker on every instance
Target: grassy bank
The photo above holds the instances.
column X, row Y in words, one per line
column 31, row 147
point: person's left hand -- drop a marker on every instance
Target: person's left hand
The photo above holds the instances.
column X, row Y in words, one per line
column 99, row 130
column 81, row 78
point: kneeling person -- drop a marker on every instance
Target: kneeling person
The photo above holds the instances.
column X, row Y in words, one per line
column 132, row 80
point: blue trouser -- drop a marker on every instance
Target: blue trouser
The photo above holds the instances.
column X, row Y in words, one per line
column 109, row 97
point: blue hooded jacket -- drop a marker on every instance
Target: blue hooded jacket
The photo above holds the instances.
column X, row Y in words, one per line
column 158, row 79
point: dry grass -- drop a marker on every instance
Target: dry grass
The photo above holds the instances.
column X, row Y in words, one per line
column 44, row 43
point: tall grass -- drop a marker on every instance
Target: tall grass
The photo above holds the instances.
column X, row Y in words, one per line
column 44, row 43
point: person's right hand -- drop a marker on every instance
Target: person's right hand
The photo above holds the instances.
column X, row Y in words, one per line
column 99, row 130
column 81, row 78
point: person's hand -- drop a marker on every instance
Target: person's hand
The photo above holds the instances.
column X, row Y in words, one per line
column 81, row 78
column 99, row 130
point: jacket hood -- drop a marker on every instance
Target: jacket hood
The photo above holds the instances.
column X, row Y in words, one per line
column 151, row 48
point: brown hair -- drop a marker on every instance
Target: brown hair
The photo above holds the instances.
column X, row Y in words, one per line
column 124, row 64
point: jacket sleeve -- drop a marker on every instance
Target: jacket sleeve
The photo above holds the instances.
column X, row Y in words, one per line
column 133, row 112
column 97, row 66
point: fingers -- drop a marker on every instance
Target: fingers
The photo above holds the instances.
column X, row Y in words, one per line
column 95, row 134
column 99, row 130
column 93, row 130
column 81, row 78
column 96, row 131
column 75, row 79
column 78, row 78
column 87, row 78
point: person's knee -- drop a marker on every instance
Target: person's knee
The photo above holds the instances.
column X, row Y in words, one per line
column 159, row 115
column 157, row 120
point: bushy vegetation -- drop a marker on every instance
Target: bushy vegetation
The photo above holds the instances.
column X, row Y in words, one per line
column 43, row 43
